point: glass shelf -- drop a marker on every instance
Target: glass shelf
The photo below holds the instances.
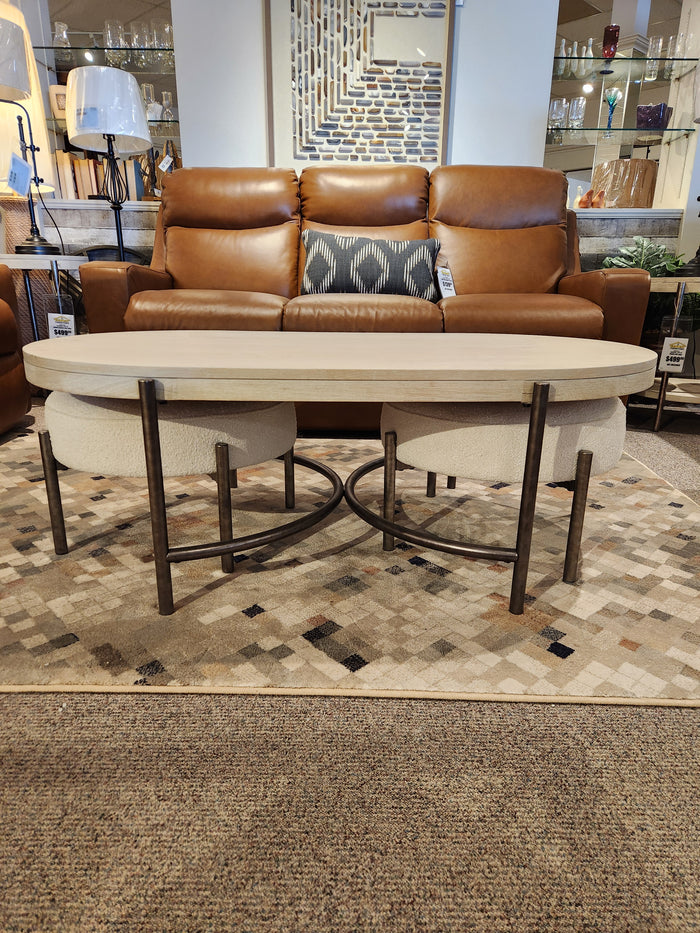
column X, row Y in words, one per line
column 620, row 69
column 159, row 61
column 158, row 126
column 591, row 136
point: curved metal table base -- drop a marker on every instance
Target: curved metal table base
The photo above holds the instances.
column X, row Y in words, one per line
column 416, row 535
column 278, row 533
column 422, row 538
column 164, row 555
column 226, row 546
column 519, row 556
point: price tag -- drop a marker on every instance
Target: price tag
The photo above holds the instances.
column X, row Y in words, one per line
column 445, row 282
column 19, row 176
column 165, row 164
column 61, row 325
column 673, row 354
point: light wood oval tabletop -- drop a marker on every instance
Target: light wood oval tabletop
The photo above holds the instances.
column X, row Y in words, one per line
column 280, row 366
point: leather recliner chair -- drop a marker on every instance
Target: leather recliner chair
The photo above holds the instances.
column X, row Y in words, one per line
column 15, row 397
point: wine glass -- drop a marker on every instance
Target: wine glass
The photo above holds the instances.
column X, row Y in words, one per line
column 558, row 109
column 115, row 40
column 613, row 95
column 611, row 36
column 163, row 41
column 167, row 106
column 140, row 43
column 577, row 111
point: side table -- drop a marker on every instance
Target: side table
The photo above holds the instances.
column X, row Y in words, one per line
column 683, row 390
column 29, row 263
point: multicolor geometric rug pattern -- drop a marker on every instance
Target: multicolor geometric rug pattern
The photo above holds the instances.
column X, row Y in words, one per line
column 333, row 611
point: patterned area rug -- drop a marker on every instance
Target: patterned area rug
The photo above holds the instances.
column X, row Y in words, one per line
column 333, row 612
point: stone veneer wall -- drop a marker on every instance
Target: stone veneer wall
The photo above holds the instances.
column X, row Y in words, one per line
column 91, row 223
column 602, row 232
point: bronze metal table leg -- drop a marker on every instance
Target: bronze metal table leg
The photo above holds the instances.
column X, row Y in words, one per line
column 156, row 494
column 223, row 489
column 53, row 494
column 528, row 498
column 578, row 511
column 389, row 486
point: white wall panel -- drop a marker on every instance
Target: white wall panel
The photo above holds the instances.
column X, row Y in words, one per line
column 501, row 79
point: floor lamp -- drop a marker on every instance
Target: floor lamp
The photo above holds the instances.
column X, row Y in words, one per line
column 105, row 113
column 14, row 87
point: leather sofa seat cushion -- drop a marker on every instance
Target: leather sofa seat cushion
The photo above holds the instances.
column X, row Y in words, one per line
column 362, row 313
column 15, row 400
column 552, row 315
column 204, row 309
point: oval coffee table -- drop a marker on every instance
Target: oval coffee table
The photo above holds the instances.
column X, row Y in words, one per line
column 281, row 366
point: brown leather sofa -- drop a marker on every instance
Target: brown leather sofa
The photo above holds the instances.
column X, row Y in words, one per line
column 228, row 254
column 15, row 396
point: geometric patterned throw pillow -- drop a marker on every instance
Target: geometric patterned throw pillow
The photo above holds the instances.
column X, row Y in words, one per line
column 337, row 263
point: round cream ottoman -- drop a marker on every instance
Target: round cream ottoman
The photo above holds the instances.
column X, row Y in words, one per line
column 104, row 435
column 487, row 441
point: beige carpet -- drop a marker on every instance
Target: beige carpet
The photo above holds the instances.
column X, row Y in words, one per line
column 333, row 612
column 231, row 814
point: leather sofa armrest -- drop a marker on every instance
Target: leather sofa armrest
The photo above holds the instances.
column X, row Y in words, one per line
column 107, row 288
column 622, row 294
column 7, row 288
column 9, row 333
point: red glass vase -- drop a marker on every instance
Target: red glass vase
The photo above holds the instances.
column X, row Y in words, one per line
column 611, row 36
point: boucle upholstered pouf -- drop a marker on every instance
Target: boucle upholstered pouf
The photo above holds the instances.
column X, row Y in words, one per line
column 487, row 441
column 105, row 435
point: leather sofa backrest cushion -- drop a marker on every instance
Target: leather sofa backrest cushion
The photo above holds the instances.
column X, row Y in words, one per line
column 501, row 228
column 364, row 195
column 264, row 260
column 382, row 202
column 235, row 229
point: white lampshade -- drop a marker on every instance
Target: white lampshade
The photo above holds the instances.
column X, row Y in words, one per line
column 14, row 75
column 102, row 101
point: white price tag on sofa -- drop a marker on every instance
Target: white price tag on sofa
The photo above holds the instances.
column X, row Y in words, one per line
column 445, row 282
column 165, row 164
column 673, row 354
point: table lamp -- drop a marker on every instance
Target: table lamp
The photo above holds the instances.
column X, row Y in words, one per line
column 105, row 113
column 15, row 86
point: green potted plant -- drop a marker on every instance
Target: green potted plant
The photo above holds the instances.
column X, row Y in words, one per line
column 658, row 260
column 654, row 257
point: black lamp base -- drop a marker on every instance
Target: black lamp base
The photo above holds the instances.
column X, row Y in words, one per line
column 37, row 246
